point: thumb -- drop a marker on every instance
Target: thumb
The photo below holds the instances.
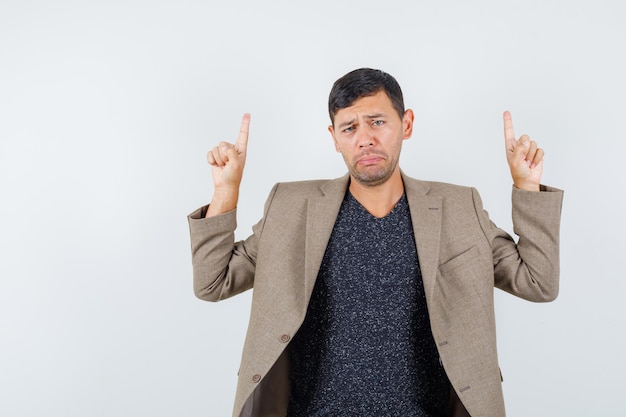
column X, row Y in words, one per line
column 229, row 151
column 521, row 148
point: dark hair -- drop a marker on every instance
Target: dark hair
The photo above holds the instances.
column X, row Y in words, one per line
column 363, row 82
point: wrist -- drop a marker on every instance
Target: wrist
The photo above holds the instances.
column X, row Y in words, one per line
column 223, row 201
column 527, row 186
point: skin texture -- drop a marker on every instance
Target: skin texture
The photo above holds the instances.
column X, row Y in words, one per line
column 369, row 136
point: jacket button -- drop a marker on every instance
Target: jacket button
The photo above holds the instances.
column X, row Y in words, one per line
column 285, row 338
column 256, row 378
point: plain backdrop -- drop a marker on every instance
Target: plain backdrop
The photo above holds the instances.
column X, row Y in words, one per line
column 107, row 109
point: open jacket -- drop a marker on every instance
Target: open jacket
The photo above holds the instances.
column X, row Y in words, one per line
column 462, row 256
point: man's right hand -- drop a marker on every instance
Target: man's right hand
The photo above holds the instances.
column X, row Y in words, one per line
column 227, row 161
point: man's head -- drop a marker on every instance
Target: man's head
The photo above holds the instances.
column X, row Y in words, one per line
column 369, row 124
column 361, row 83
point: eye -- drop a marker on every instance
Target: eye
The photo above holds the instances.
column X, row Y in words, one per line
column 348, row 129
column 378, row 123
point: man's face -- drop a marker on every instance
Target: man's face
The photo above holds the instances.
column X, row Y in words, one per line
column 369, row 135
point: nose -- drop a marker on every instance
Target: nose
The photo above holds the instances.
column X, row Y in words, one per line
column 365, row 137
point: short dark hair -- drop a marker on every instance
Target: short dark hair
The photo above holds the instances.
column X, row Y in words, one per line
column 363, row 82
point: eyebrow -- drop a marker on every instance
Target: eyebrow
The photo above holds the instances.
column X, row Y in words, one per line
column 352, row 121
column 346, row 123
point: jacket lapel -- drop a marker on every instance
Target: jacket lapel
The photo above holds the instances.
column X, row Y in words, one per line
column 426, row 214
column 321, row 216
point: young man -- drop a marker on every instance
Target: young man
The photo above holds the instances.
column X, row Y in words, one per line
column 373, row 293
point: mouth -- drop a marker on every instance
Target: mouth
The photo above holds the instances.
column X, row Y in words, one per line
column 369, row 159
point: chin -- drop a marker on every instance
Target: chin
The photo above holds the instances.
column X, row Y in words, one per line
column 371, row 179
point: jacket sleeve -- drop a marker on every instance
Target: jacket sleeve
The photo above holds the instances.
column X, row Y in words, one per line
column 222, row 267
column 529, row 268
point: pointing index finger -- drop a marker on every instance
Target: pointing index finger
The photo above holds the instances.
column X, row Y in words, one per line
column 242, row 139
column 509, row 134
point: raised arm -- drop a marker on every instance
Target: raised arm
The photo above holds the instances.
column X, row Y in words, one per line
column 222, row 267
column 530, row 267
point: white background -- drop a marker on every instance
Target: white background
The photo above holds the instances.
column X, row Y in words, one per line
column 107, row 109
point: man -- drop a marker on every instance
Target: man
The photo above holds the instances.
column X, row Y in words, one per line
column 373, row 293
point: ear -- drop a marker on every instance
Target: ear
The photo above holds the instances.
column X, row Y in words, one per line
column 332, row 133
column 407, row 124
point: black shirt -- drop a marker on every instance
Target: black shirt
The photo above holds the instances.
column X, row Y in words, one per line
column 365, row 347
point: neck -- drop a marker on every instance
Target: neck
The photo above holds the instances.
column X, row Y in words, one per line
column 380, row 199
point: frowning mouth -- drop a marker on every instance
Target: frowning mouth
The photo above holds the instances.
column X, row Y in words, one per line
column 369, row 159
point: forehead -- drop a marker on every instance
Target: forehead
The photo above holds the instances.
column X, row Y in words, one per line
column 378, row 103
